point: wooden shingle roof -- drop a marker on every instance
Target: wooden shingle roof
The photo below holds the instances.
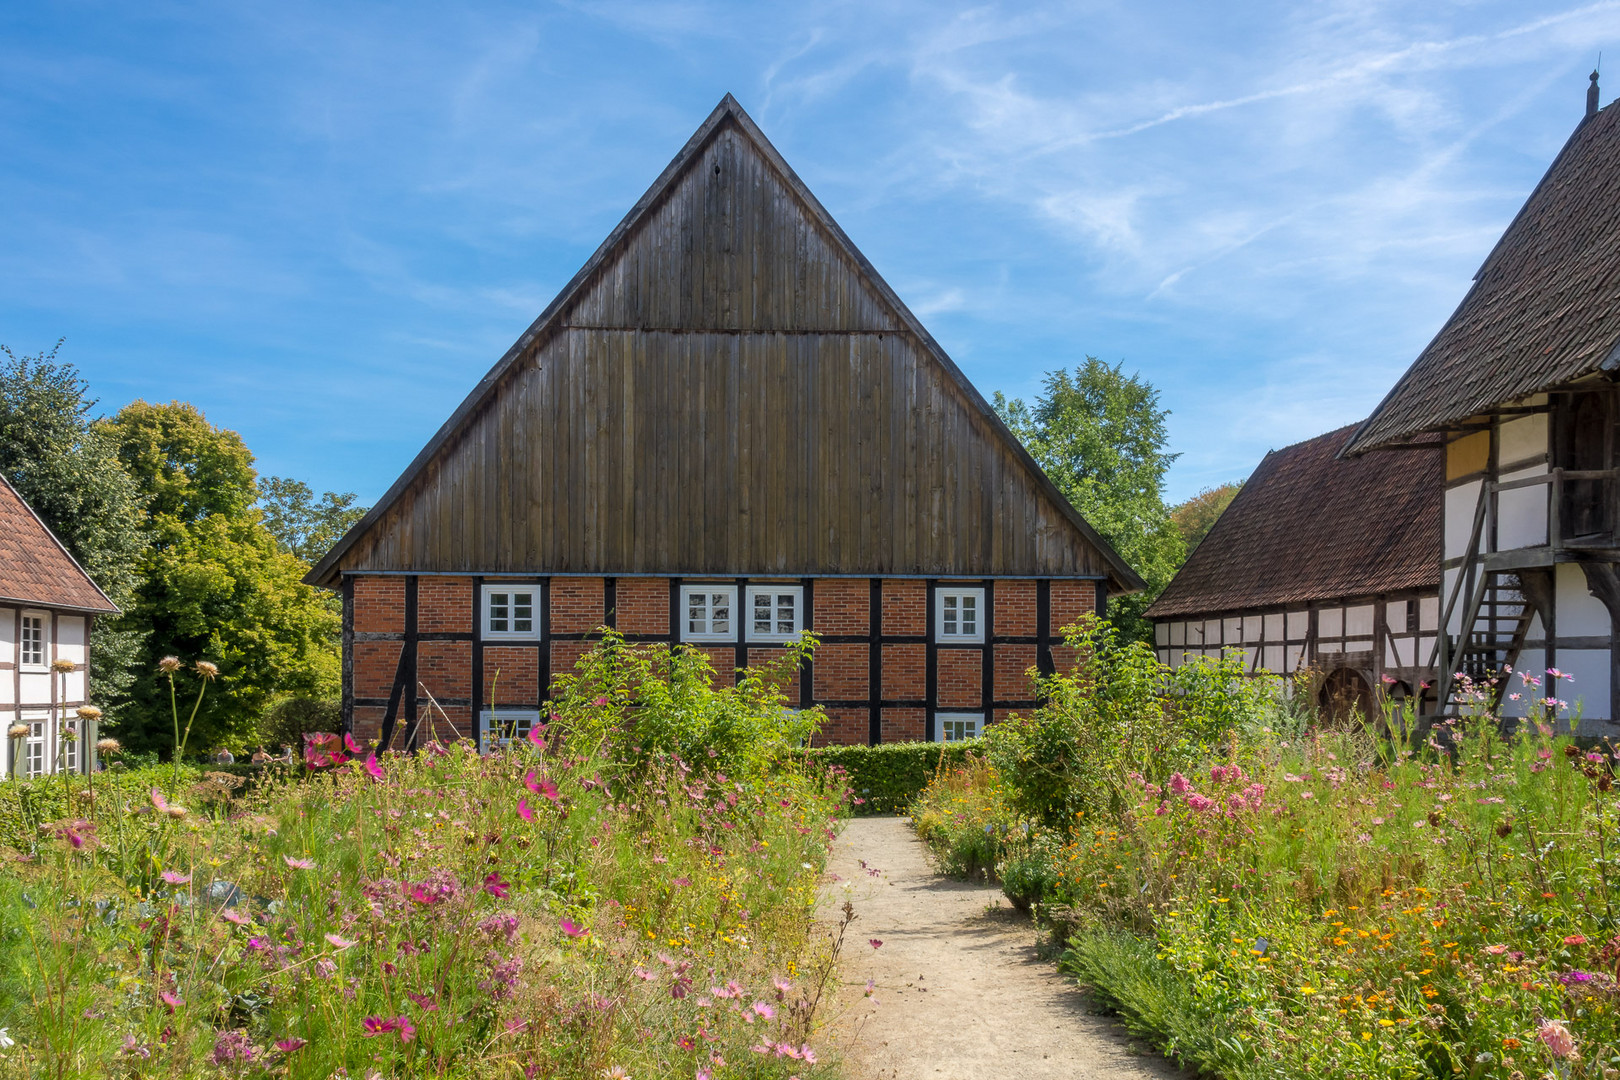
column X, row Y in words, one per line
column 1544, row 309
column 1309, row 526
column 34, row 566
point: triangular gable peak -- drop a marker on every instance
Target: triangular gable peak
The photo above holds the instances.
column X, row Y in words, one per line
column 726, row 387
column 36, row 568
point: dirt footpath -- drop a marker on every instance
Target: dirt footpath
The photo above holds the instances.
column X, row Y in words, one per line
column 962, row 993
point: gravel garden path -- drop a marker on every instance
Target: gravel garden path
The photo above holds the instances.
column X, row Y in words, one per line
column 962, row 991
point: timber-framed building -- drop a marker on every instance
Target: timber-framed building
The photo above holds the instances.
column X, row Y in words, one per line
column 1319, row 565
column 725, row 430
column 1521, row 384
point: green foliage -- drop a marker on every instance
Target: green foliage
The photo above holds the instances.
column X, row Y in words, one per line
column 884, row 779
column 304, row 526
column 1101, row 436
column 964, row 819
column 640, row 702
column 69, row 472
column 216, row 584
column 287, row 722
column 1194, row 518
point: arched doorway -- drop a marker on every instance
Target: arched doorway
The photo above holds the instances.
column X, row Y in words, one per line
column 1344, row 696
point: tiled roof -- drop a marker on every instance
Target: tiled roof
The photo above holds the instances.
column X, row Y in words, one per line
column 1309, row 525
column 1543, row 310
column 34, row 566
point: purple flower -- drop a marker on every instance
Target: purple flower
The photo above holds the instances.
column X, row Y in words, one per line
column 497, row 886
column 571, row 928
column 233, row 1048
column 175, row 877
column 291, row 1044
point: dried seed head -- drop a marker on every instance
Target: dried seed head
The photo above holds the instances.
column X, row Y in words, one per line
column 207, row 669
column 177, row 811
column 169, row 665
column 17, row 731
column 63, row 666
column 108, row 746
column 89, row 712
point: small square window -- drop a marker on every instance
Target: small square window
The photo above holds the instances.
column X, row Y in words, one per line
column 954, row 727
column 708, row 613
column 958, row 615
column 775, row 612
column 32, row 644
column 512, row 611
column 498, row 727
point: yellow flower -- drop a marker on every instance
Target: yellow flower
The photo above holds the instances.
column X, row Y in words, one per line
column 1307, row 989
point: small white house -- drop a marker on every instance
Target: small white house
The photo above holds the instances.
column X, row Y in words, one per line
column 47, row 605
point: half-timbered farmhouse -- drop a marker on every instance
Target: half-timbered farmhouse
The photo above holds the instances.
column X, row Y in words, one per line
column 1521, row 384
column 725, row 430
column 1320, row 564
column 47, row 603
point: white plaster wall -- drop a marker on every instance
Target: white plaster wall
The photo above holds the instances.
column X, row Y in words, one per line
column 1395, row 616
column 1274, row 627
column 1579, row 613
column 1161, row 633
column 36, row 688
column 1521, row 439
column 70, row 638
column 1252, row 625
column 1521, row 514
column 1330, row 622
column 1299, row 624
column 1429, row 613
column 1233, row 631
column 1294, row 658
column 1273, row 658
column 8, row 634
column 1460, row 502
column 1588, row 693
column 1448, row 582
column 1329, row 647
column 1400, row 651
column 1358, row 621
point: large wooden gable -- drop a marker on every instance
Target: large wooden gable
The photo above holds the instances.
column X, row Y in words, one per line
column 726, row 388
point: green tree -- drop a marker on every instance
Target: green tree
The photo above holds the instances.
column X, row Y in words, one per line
column 216, row 584
column 1100, row 435
column 303, row 525
column 69, row 472
column 1195, row 517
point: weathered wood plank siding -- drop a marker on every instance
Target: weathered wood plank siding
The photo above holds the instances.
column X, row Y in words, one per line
column 728, row 391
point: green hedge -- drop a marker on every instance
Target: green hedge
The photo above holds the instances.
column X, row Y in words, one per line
column 888, row 776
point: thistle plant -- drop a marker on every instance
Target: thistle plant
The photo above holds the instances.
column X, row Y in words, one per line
column 207, row 671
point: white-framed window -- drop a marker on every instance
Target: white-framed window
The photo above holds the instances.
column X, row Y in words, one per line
column 958, row 614
column 708, row 613
column 775, row 612
column 31, row 642
column 70, row 747
column 512, row 611
column 35, row 761
column 956, row 726
column 497, row 727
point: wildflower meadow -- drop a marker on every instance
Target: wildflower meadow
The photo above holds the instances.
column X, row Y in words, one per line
column 623, row 891
column 1265, row 897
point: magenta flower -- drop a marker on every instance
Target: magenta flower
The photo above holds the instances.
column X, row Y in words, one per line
column 159, row 801
column 373, row 1026
column 423, row 1001
column 1179, row 784
column 764, row 1011
column 291, row 1044
column 537, row 735
column 571, row 928
column 523, row 810
column 323, row 748
column 351, row 746
column 549, row 790
column 340, row 942
column 298, row 864
column 231, row 915
column 497, row 886
column 875, row 943
column 173, row 1001
column 373, row 768
column 175, row 877
column 406, row 1029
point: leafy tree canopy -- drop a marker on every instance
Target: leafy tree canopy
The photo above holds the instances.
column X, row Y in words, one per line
column 1101, row 436
column 216, row 583
column 1195, row 517
column 69, row 472
column 303, row 525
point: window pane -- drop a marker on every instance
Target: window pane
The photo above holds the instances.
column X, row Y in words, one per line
column 762, row 614
column 523, row 613
column 720, row 622
column 948, row 623
column 785, row 614
column 970, row 611
column 697, row 613
column 498, row 612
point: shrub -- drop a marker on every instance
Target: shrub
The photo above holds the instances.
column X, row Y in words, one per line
column 886, row 778
column 287, row 722
column 964, row 819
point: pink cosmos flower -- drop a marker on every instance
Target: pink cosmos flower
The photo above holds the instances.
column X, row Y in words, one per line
column 406, row 1029
column 373, row 1026
column 339, row 942
column 764, row 1011
column 424, row 1002
column 291, row 1044
column 172, row 1001
column 175, row 877
column 351, row 746
column 374, row 769
column 231, row 915
column 875, row 943
column 549, row 790
column 571, row 928
column 497, row 886
column 537, row 735
column 523, row 810
column 298, row 864
column 1575, row 939
column 1496, row 950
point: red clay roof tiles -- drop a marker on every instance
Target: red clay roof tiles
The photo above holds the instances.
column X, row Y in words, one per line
column 34, row 566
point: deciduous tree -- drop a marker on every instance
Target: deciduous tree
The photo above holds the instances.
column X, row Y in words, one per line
column 302, row 524
column 1195, row 517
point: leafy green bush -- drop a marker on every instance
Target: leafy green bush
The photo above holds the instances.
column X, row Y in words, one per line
column 886, row 778
column 964, row 819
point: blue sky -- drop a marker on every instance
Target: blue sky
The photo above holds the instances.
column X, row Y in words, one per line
column 322, row 223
